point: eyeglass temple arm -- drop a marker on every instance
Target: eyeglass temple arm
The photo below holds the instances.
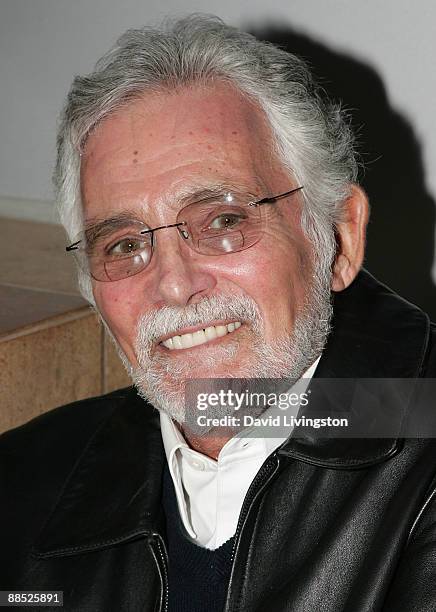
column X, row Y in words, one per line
column 269, row 200
column 74, row 246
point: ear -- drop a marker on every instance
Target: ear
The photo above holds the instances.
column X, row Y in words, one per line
column 350, row 236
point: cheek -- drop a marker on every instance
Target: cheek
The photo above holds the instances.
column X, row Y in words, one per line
column 284, row 255
column 281, row 274
column 275, row 273
column 118, row 309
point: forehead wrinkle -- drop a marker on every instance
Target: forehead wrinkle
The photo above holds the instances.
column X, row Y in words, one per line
column 201, row 191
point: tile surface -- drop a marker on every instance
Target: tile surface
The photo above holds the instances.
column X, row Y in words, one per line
column 33, row 256
column 115, row 375
column 49, row 368
column 22, row 307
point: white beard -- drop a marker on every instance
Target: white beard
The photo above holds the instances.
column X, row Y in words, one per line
column 161, row 380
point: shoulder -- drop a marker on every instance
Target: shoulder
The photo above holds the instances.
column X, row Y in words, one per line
column 46, row 448
column 60, row 433
column 37, row 458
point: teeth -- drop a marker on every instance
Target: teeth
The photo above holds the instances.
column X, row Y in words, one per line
column 177, row 343
column 198, row 337
column 169, row 343
column 201, row 336
column 186, row 340
column 210, row 333
column 221, row 330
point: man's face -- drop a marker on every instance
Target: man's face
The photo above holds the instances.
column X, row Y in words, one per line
column 142, row 160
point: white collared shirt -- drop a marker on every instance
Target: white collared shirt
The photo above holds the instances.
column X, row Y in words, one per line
column 210, row 493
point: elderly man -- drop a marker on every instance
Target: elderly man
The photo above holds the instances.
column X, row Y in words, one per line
column 208, row 192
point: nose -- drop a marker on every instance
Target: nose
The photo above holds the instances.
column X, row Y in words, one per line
column 179, row 276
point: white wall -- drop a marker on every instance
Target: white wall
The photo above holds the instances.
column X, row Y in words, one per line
column 43, row 43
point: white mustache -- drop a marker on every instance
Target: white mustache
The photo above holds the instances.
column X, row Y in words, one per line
column 169, row 319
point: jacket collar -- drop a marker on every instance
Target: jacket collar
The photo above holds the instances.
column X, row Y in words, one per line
column 376, row 334
column 114, row 491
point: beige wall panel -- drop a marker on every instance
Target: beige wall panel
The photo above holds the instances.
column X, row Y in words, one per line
column 52, row 366
column 115, row 375
column 33, row 256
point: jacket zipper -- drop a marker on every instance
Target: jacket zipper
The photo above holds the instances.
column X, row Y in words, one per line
column 160, row 555
column 157, row 545
column 261, row 480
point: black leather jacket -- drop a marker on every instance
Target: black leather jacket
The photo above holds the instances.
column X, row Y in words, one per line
column 327, row 525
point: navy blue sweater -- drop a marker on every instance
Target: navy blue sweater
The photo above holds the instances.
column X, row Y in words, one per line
column 198, row 577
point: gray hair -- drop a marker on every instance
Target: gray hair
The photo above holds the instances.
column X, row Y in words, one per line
column 312, row 136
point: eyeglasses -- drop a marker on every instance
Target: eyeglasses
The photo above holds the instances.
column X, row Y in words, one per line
column 213, row 226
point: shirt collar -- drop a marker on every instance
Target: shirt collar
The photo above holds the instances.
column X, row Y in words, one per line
column 174, row 440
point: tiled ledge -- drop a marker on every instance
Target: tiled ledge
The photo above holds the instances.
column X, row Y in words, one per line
column 22, row 308
column 53, row 349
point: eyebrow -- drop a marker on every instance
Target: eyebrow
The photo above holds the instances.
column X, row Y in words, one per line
column 97, row 228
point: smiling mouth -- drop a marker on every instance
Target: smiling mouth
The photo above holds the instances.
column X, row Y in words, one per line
column 200, row 336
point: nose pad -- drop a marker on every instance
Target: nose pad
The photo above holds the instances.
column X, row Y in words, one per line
column 183, row 232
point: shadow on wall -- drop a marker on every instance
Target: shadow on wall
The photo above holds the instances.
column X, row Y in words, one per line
column 400, row 245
